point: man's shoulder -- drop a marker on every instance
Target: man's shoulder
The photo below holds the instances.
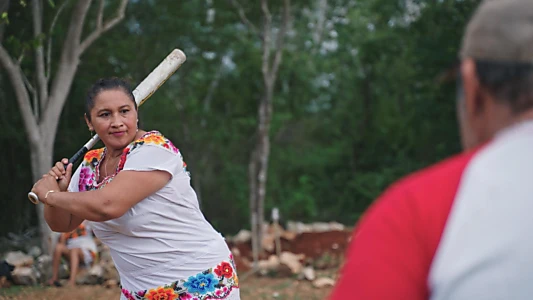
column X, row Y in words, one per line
column 427, row 192
column 441, row 174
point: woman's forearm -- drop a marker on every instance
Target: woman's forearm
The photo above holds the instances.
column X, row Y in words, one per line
column 58, row 219
column 91, row 205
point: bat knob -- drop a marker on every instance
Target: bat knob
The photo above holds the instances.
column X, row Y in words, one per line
column 33, row 198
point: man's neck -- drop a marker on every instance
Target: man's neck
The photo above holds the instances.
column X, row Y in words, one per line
column 525, row 117
column 513, row 121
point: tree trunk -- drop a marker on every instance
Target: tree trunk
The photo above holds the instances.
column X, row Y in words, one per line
column 41, row 162
column 254, row 220
column 41, row 121
column 258, row 165
column 258, row 171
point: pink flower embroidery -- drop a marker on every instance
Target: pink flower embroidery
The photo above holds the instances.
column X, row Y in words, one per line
column 185, row 296
column 127, row 294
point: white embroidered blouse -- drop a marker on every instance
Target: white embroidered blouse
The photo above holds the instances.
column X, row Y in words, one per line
column 164, row 237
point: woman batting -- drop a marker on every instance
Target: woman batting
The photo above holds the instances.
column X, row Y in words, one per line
column 136, row 193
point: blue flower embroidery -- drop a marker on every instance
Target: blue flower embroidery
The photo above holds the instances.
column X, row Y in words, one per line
column 201, row 283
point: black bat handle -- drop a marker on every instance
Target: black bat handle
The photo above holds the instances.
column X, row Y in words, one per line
column 77, row 156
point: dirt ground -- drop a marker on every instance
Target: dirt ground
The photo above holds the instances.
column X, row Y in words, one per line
column 253, row 288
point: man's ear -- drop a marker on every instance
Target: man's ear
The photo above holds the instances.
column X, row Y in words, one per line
column 89, row 124
column 473, row 95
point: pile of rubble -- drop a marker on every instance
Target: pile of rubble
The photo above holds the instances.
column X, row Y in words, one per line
column 297, row 251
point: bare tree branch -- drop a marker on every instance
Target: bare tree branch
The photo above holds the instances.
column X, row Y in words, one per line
column 15, row 75
column 68, row 62
column 100, row 16
column 28, row 84
column 34, row 96
column 267, row 41
column 244, row 19
column 101, row 28
column 280, row 39
column 21, row 58
column 42, row 83
column 50, row 33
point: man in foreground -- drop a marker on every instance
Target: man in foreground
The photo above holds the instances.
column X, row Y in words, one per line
column 461, row 229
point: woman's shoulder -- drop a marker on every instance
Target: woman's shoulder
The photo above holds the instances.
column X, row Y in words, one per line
column 153, row 138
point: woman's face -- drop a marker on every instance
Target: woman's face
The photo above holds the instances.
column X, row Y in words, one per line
column 114, row 118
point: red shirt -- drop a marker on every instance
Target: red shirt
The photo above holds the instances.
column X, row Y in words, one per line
column 393, row 245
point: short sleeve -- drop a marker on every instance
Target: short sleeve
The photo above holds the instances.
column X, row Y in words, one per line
column 74, row 185
column 149, row 157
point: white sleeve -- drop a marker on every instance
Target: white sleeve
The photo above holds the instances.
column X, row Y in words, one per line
column 74, row 185
column 152, row 157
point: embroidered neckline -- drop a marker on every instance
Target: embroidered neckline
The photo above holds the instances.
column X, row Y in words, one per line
column 122, row 157
column 90, row 167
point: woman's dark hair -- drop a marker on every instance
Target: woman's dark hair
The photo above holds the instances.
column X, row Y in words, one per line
column 106, row 84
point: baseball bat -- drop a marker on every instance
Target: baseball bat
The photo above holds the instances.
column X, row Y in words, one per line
column 142, row 92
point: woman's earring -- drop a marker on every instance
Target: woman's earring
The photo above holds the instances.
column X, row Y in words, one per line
column 91, row 131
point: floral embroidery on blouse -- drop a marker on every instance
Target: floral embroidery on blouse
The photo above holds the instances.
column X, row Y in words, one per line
column 214, row 283
column 89, row 164
column 89, row 168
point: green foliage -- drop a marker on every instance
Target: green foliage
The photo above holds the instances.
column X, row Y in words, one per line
column 4, row 18
column 354, row 109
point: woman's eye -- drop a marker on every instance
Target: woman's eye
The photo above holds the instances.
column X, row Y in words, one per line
column 104, row 115
column 124, row 111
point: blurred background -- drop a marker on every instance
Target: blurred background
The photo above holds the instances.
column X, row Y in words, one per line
column 354, row 88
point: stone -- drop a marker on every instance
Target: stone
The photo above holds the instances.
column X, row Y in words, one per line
column 111, row 283
column 24, row 276
column 320, row 227
column 242, row 236
column 271, row 264
column 4, row 283
column 43, row 264
column 309, row 273
column 268, row 242
column 81, row 277
column 35, row 251
column 95, row 275
column 19, row 259
column 288, row 235
column 323, row 282
column 292, row 261
column 336, row 226
column 298, row 227
column 110, row 271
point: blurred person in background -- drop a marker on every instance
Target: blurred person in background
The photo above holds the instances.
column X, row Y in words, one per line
column 78, row 247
